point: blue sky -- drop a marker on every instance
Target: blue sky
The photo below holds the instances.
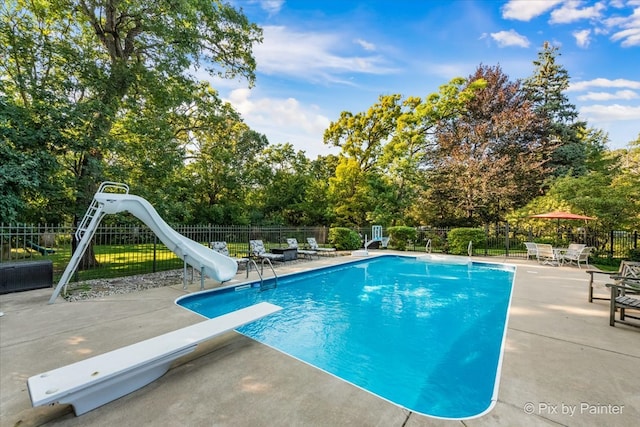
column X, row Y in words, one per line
column 320, row 58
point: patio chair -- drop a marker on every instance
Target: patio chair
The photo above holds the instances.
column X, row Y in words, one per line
column 621, row 302
column 574, row 249
column 293, row 243
column 532, row 249
column 314, row 246
column 258, row 250
column 546, row 254
column 628, row 270
column 221, row 248
column 573, row 256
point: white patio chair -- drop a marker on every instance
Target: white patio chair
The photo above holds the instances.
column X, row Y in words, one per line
column 546, row 254
column 573, row 256
column 532, row 249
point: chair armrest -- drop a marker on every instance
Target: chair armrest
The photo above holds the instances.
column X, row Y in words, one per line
column 592, row 272
column 632, row 279
column 624, row 287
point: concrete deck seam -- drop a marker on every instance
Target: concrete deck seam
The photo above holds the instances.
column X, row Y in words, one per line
column 575, row 343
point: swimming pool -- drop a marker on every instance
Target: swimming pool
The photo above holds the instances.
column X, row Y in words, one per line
column 424, row 335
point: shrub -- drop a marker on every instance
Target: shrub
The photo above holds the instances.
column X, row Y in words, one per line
column 344, row 239
column 401, row 235
column 459, row 239
column 634, row 255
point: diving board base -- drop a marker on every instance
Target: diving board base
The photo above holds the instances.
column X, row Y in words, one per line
column 102, row 393
column 93, row 382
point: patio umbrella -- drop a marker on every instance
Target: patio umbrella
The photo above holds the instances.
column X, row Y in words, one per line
column 558, row 215
column 561, row 215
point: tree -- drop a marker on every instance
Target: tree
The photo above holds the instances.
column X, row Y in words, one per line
column 489, row 159
column 284, row 177
column 411, row 153
column 610, row 191
column 25, row 163
column 545, row 89
column 316, row 209
column 358, row 186
column 89, row 59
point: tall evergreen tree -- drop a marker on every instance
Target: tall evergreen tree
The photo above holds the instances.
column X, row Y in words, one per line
column 545, row 89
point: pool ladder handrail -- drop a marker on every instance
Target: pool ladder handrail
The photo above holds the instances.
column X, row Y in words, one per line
column 262, row 285
column 261, row 272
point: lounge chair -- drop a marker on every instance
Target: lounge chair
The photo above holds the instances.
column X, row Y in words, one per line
column 629, row 270
column 621, row 302
column 532, row 249
column 258, row 250
column 221, row 247
column 314, row 247
column 546, row 254
column 293, row 243
column 577, row 256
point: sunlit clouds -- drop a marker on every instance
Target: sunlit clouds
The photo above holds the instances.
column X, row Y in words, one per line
column 314, row 56
column 510, row 38
column 318, row 59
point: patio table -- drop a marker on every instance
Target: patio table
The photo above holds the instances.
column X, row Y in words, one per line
column 559, row 253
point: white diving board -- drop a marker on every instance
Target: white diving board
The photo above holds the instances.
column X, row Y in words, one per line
column 92, row 382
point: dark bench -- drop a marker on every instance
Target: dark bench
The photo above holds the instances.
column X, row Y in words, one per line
column 25, row 276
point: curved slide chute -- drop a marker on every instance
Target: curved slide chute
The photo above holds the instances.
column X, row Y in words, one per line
column 205, row 260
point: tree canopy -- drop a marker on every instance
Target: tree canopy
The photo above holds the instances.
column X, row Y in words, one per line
column 110, row 90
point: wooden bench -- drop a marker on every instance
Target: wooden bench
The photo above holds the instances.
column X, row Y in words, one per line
column 620, row 301
column 628, row 269
column 91, row 383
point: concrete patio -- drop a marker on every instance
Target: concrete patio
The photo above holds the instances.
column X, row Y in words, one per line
column 563, row 364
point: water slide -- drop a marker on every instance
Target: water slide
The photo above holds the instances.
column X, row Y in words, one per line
column 209, row 262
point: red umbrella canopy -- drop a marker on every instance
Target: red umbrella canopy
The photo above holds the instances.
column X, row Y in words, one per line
column 561, row 215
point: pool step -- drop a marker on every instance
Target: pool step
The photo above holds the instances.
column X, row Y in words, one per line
column 265, row 286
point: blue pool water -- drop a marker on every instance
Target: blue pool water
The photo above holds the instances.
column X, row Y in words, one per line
column 425, row 335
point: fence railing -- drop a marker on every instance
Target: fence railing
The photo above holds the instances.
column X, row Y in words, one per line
column 122, row 250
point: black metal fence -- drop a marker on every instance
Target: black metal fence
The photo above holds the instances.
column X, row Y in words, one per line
column 122, row 250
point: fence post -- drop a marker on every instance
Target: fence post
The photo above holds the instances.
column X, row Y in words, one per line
column 611, row 245
column 155, row 242
column 486, row 239
column 506, row 240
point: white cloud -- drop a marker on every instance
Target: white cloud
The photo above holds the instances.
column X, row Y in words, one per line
column 366, row 45
column 582, row 38
column 606, row 96
column 613, row 112
column 312, row 56
column 271, row 6
column 283, row 120
column 606, row 83
column 630, row 37
column 571, row 12
column 510, row 38
column 525, row 10
column 626, row 28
